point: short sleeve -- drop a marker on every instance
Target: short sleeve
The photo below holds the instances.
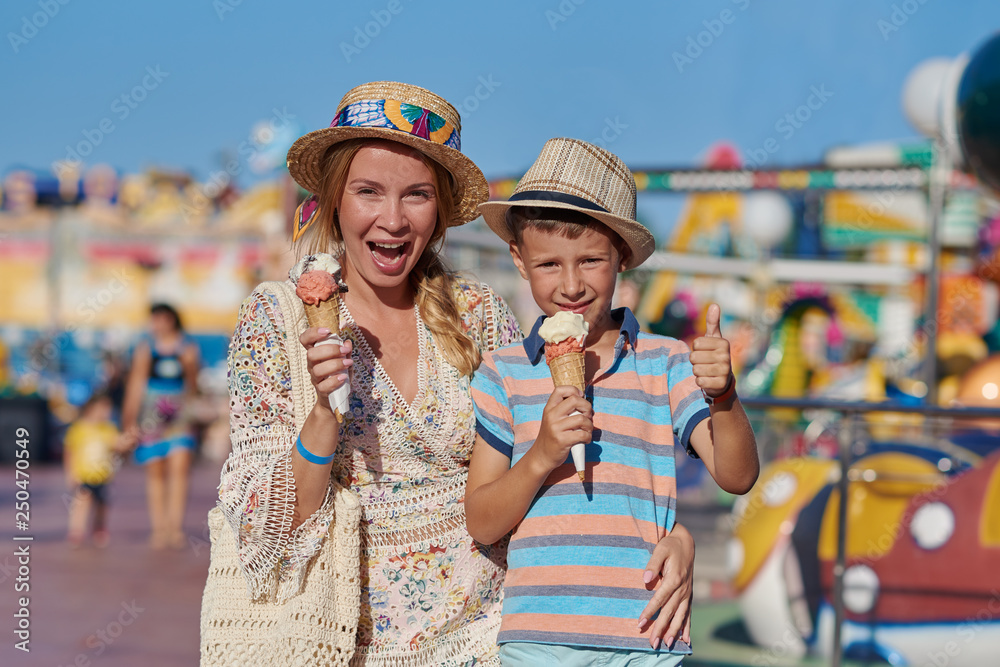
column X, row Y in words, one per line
column 494, row 421
column 687, row 402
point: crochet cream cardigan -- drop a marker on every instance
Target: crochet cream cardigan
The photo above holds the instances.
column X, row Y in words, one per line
column 315, row 621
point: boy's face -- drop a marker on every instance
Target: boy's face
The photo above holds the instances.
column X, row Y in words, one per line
column 577, row 275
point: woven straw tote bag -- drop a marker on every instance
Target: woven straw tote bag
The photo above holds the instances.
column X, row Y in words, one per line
column 318, row 626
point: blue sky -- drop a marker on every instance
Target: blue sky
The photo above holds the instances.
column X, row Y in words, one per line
column 575, row 68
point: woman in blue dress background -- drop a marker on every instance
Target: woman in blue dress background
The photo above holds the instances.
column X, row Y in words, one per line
column 161, row 382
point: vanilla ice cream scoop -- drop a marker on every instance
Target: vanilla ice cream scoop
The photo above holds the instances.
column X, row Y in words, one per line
column 563, row 325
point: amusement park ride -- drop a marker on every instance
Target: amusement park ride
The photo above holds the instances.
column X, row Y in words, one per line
column 887, row 547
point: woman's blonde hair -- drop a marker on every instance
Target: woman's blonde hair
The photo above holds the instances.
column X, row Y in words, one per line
column 430, row 279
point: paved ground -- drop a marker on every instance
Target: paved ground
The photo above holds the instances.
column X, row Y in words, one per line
column 118, row 607
column 127, row 606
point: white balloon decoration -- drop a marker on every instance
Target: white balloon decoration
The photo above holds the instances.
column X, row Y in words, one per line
column 767, row 218
column 922, row 93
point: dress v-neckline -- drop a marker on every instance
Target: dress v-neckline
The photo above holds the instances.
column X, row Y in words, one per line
column 367, row 351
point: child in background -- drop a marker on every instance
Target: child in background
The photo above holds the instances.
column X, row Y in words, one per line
column 580, row 578
column 92, row 445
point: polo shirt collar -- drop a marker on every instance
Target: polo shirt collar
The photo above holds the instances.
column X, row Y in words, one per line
column 534, row 345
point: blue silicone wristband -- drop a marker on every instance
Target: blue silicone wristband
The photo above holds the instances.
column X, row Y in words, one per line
column 309, row 456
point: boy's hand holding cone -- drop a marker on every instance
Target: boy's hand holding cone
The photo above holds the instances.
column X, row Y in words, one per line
column 564, row 334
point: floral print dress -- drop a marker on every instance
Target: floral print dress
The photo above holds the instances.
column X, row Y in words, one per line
column 430, row 595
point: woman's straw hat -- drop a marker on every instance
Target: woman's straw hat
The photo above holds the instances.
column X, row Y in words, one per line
column 574, row 175
column 398, row 112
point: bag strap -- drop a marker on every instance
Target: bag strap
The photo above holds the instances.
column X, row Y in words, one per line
column 294, row 317
column 345, row 534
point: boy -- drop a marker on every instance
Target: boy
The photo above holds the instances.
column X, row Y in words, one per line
column 91, row 447
column 578, row 551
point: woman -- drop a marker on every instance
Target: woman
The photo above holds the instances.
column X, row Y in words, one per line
column 161, row 381
column 369, row 511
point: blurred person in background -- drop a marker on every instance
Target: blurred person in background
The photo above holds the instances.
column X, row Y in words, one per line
column 161, row 383
column 90, row 458
column 114, row 372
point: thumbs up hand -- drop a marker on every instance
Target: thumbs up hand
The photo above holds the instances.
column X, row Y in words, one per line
column 710, row 358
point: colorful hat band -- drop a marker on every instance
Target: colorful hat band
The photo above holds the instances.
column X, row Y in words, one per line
column 561, row 197
column 391, row 115
column 402, row 117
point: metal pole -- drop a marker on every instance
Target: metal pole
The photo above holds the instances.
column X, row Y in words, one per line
column 846, row 442
column 937, row 189
column 861, row 407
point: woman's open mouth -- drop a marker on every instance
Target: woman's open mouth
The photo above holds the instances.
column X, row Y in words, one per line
column 389, row 256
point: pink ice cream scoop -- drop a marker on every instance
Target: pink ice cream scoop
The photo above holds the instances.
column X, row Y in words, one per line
column 315, row 287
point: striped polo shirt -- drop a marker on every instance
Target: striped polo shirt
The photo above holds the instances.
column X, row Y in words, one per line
column 576, row 560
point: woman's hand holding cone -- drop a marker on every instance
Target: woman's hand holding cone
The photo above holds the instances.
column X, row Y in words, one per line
column 328, row 365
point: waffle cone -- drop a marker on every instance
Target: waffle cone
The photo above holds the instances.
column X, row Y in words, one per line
column 568, row 370
column 324, row 314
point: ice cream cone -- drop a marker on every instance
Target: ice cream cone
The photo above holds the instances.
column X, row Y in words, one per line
column 568, row 370
column 324, row 314
column 327, row 314
column 318, row 283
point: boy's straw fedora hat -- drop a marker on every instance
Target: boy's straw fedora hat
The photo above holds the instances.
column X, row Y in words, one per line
column 398, row 112
column 574, row 175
